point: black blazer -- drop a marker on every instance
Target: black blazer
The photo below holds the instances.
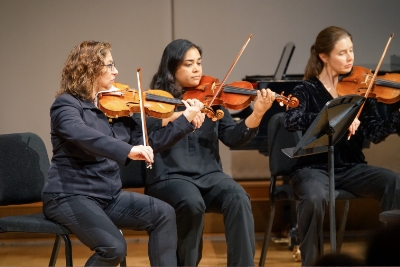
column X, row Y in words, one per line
column 87, row 148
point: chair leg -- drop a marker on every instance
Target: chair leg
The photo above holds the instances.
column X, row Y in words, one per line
column 267, row 235
column 321, row 242
column 56, row 248
column 342, row 226
column 68, row 250
column 54, row 253
column 123, row 262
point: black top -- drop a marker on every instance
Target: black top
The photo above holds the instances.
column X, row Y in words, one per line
column 87, row 148
column 313, row 96
column 196, row 156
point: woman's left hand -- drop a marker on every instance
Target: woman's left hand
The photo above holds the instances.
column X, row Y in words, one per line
column 198, row 120
column 193, row 108
column 265, row 98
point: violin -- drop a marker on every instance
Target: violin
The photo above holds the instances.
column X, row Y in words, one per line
column 236, row 95
column 122, row 103
column 369, row 82
column 385, row 88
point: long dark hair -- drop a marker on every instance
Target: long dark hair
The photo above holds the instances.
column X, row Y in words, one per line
column 171, row 59
column 324, row 44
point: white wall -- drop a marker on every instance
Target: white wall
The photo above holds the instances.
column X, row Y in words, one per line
column 222, row 27
column 37, row 36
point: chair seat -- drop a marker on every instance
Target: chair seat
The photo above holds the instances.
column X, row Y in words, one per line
column 284, row 192
column 344, row 195
column 32, row 223
column 390, row 216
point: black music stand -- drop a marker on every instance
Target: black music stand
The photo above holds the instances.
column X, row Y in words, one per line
column 325, row 131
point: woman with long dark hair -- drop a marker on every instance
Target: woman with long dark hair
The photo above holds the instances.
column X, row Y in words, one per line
column 189, row 175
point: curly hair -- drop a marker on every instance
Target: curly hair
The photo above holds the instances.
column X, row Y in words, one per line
column 324, row 44
column 82, row 69
column 172, row 58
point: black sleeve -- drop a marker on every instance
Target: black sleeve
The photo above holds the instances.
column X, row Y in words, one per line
column 161, row 138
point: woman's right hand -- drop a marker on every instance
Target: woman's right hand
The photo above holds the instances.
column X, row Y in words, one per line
column 193, row 112
column 142, row 153
column 353, row 127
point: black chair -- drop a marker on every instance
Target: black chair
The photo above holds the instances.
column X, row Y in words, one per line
column 390, row 217
column 23, row 171
column 280, row 166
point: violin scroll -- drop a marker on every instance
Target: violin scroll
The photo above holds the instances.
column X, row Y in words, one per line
column 213, row 115
column 289, row 101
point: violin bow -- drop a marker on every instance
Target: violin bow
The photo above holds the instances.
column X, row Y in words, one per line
column 376, row 72
column 229, row 71
column 374, row 76
column 143, row 113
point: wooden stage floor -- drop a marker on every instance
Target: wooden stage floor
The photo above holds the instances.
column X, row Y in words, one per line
column 36, row 252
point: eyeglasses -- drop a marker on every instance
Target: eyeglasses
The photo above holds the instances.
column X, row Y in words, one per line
column 111, row 66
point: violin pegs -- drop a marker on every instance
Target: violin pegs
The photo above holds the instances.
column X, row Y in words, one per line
column 219, row 114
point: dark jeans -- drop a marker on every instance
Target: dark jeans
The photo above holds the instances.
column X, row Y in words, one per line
column 311, row 186
column 191, row 203
column 96, row 223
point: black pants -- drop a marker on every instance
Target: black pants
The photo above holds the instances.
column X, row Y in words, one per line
column 191, row 203
column 96, row 223
column 311, row 186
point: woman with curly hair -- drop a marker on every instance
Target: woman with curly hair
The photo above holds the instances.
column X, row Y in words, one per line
column 83, row 189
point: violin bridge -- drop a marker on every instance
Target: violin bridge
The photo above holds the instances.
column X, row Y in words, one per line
column 367, row 78
column 213, row 87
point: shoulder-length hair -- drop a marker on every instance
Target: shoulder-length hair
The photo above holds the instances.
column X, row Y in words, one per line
column 171, row 59
column 82, row 69
column 324, row 44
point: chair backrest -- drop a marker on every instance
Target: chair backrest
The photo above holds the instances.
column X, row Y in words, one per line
column 23, row 168
column 24, row 164
column 278, row 138
column 133, row 174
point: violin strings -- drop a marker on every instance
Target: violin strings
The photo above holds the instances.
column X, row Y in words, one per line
column 163, row 99
column 232, row 89
column 388, row 83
